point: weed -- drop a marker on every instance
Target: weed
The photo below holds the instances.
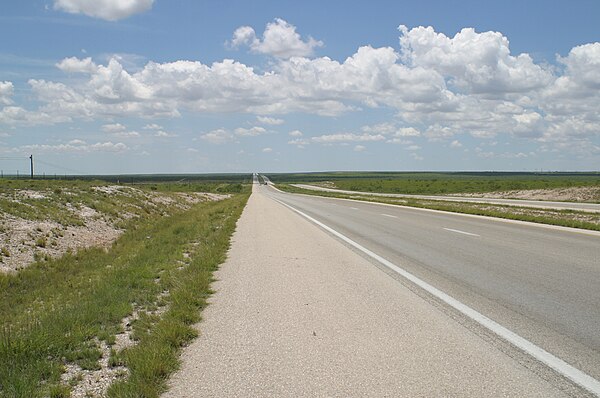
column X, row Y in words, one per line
column 76, row 379
column 37, row 256
column 115, row 359
column 60, row 391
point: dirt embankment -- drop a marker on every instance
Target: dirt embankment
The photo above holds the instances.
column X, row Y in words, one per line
column 69, row 223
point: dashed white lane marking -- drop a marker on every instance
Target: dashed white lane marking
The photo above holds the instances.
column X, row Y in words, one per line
column 460, row 232
column 388, row 215
column 570, row 372
column 354, row 208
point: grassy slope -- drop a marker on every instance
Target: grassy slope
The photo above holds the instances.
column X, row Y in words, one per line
column 565, row 218
column 52, row 311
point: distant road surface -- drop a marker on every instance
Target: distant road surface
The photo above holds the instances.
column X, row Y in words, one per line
column 299, row 313
column 589, row 207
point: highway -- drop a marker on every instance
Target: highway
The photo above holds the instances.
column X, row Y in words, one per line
column 587, row 207
column 540, row 283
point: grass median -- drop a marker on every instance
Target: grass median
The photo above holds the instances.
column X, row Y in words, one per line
column 565, row 218
column 60, row 312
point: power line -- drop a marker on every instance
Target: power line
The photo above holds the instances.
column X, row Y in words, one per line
column 58, row 167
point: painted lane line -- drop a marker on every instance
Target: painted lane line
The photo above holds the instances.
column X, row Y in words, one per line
column 388, row 215
column 354, row 208
column 460, row 232
column 575, row 375
column 476, row 216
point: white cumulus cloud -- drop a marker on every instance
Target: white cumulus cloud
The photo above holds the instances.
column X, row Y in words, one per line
column 347, row 137
column 475, row 62
column 110, row 10
column 299, row 142
column 119, row 130
column 6, row 92
column 280, row 40
column 406, row 132
column 153, row 126
column 76, row 65
column 269, row 120
column 76, row 146
column 164, row 134
column 218, row 136
column 251, row 132
column 113, row 128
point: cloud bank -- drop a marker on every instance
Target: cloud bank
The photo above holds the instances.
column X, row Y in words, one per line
column 438, row 86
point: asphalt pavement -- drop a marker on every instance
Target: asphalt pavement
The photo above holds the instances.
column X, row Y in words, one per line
column 300, row 312
column 587, row 207
column 542, row 283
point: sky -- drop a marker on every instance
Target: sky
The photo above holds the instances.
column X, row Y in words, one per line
column 196, row 86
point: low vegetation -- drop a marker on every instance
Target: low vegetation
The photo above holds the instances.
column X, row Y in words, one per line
column 121, row 312
column 566, row 218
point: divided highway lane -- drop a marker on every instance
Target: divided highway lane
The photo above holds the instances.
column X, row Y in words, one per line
column 539, row 282
column 588, row 207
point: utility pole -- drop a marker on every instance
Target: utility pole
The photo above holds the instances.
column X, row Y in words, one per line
column 31, row 162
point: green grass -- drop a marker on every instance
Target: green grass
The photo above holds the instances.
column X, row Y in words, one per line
column 53, row 310
column 442, row 183
column 565, row 218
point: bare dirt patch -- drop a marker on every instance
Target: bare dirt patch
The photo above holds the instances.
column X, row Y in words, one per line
column 325, row 184
column 24, row 241
column 571, row 194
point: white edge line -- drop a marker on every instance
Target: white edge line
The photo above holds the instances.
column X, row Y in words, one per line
column 498, row 219
column 577, row 376
column 460, row 232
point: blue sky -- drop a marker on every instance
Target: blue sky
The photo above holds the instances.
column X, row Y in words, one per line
column 143, row 86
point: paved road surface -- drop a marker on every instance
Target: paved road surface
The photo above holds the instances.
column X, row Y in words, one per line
column 297, row 313
column 588, row 207
column 540, row 282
